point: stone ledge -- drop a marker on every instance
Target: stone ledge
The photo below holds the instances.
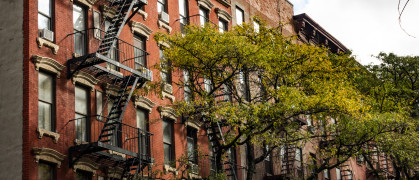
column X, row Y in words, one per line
column 164, row 25
column 43, row 42
column 86, row 164
column 168, row 168
column 53, row 135
column 48, row 155
column 47, row 64
column 167, row 112
column 167, row 92
column 88, row 3
column 206, row 4
column 143, row 13
column 140, row 28
column 85, row 79
column 222, row 14
column 143, row 102
column 226, row 3
column 194, row 124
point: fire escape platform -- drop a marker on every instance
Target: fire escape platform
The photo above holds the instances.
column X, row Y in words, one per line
column 91, row 63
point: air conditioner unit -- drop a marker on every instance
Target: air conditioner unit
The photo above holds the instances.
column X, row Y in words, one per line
column 164, row 17
column 46, row 34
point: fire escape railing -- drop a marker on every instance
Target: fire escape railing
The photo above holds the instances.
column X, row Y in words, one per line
column 124, row 57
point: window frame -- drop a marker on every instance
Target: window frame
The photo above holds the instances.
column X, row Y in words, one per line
column 224, row 23
column 86, row 118
column 162, row 4
column 85, row 48
column 52, row 169
column 192, row 134
column 204, row 16
column 166, row 75
column 241, row 11
column 99, row 112
column 142, row 41
column 171, row 154
column 52, row 103
column 144, row 135
column 49, row 17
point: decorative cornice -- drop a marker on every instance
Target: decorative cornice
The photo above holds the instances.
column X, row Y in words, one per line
column 114, row 172
column 222, row 14
column 111, row 89
column 167, row 112
column 88, row 3
column 143, row 102
column 108, row 11
column 164, row 25
column 48, row 155
column 143, row 13
column 42, row 132
column 86, row 164
column 167, row 92
column 226, row 3
column 168, row 168
column 43, row 42
column 205, row 4
column 140, row 28
column 194, row 124
column 160, row 43
column 85, row 79
column 48, row 64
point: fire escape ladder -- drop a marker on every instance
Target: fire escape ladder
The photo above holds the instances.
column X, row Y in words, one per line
column 289, row 160
column 215, row 135
column 346, row 171
column 118, row 108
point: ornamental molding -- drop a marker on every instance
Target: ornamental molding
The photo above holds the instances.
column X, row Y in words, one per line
column 108, row 11
column 168, row 168
column 143, row 13
column 48, row 155
column 47, row 64
column 85, row 79
column 163, row 44
column 143, row 102
column 44, row 132
column 193, row 123
column 88, row 3
column 205, row 4
column 164, row 25
column 167, row 92
column 86, row 164
column 112, row 89
column 140, row 28
column 43, row 42
column 222, row 14
column 167, row 112
column 226, row 3
column 114, row 172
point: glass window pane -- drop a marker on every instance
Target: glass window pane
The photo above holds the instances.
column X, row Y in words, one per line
column 160, row 7
column 81, row 127
column 182, row 8
column 141, row 119
column 221, row 26
column 99, row 103
column 167, row 132
column 167, row 153
column 45, row 87
column 43, row 22
column 45, row 171
column 239, row 16
column 202, row 16
column 81, row 100
column 44, row 6
column 44, row 116
column 256, row 26
column 79, row 19
column 139, row 54
column 191, row 148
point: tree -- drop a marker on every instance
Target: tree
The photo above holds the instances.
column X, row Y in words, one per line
column 258, row 85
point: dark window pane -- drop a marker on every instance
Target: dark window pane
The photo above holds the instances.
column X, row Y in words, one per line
column 45, row 171
column 167, row 153
column 44, row 115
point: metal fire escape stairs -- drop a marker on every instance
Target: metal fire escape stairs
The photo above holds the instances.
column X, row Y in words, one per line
column 288, row 161
column 215, row 135
column 346, row 171
column 127, row 86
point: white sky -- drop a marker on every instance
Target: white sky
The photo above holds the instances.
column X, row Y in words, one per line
column 367, row 27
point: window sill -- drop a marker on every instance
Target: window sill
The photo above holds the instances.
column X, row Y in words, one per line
column 116, row 153
column 43, row 42
column 167, row 92
column 164, row 25
column 78, row 142
column 53, row 135
column 168, row 168
column 143, row 13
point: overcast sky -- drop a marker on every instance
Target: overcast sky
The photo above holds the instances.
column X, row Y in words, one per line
column 367, row 27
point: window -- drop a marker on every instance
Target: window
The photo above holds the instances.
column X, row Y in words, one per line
column 222, row 25
column 326, row 173
column 96, row 24
column 338, row 174
column 99, row 105
column 161, row 6
column 166, row 74
column 243, row 85
column 239, row 16
column 142, row 119
column 233, row 159
column 256, row 26
column 139, row 52
column 45, row 14
column 268, row 163
column 45, row 101
column 186, row 88
column 183, row 14
column 192, row 144
column 100, row 178
column 45, row 171
column 79, row 25
column 227, row 93
column 81, row 175
column 299, row 162
column 207, row 85
column 168, row 142
column 203, row 16
column 213, row 165
column 113, row 53
column 81, row 107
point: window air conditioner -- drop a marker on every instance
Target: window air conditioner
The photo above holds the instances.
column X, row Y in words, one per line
column 46, row 34
column 164, row 17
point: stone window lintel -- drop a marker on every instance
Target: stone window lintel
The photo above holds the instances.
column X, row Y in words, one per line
column 143, row 102
column 88, row 3
column 207, row 4
column 86, row 164
column 140, row 28
column 222, row 14
column 48, row 155
column 167, row 112
column 47, row 64
column 226, row 3
column 85, row 79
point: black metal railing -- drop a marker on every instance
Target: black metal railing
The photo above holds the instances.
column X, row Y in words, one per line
column 86, row 42
column 130, row 138
column 194, row 20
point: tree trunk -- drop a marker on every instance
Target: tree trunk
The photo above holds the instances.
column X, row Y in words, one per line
column 250, row 157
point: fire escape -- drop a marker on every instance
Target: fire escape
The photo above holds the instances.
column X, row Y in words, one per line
column 107, row 140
